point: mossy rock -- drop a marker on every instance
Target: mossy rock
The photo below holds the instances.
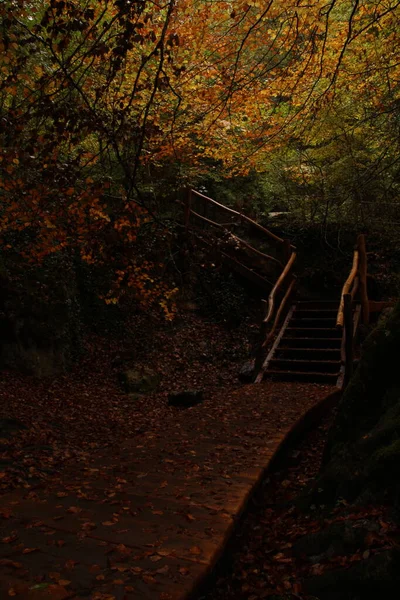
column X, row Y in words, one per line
column 362, row 459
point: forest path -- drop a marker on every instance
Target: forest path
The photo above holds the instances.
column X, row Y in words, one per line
column 148, row 518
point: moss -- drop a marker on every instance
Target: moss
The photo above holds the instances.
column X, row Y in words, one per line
column 366, row 397
column 363, row 455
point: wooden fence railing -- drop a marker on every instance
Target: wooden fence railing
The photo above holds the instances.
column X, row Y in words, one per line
column 284, row 286
column 230, row 223
column 354, row 305
column 284, row 280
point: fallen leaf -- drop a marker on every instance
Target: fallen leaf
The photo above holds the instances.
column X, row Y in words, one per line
column 195, row 550
column 29, row 550
column 74, row 510
column 64, row 582
column 164, row 570
column 6, row 562
column 12, row 592
column 155, row 558
column 9, row 539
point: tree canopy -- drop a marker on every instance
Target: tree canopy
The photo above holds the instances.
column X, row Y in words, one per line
column 102, row 101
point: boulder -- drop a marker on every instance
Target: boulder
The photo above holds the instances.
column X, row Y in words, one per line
column 246, row 373
column 185, row 399
column 139, row 381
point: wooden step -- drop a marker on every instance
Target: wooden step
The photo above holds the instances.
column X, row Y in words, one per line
column 311, row 343
column 290, row 365
column 310, row 332
column 305, row 376
column 317, row 304
column 320, row 322
column 301, row 313
column 308, row 353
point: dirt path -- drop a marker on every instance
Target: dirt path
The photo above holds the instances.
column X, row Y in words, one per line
column 147, row 517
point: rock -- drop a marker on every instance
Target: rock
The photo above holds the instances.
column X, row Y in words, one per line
column 186, row 398
column 139, row 381
column 246, row 373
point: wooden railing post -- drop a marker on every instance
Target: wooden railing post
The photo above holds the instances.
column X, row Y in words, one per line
column 363, row 277
column 188, row 205
column 348, row 337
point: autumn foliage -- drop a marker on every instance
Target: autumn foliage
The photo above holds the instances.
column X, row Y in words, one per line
column 102, row 100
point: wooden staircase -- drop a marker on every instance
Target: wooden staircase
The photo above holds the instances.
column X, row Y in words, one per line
column 308, row 346
column 310, row 341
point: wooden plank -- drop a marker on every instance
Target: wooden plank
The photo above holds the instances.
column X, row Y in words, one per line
column 281, row 279
column 279, row 311
column 276, row 343
column 346, row 288
column 355, row 288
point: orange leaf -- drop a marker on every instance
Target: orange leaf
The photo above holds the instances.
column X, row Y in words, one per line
column 195, row 550
column 6, row 562
column 74, row 510
column 29, row 550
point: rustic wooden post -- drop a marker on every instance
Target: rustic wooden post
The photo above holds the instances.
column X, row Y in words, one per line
column 348, row 336
column 363, row 277
column 287, row 250
column 188, row 204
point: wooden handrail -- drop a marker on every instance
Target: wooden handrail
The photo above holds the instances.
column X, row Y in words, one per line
column 354, row 294
column 240, row 215
column 282, row 277
column 346, row 288
column 355, row 288
column 238, row 239
column 279, row 312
